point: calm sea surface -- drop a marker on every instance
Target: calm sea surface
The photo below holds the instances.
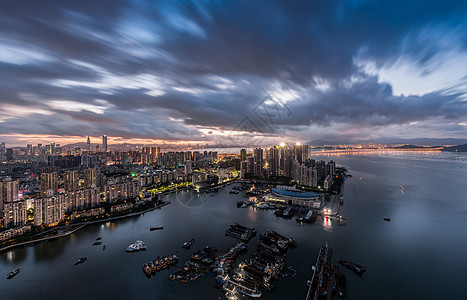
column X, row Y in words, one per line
column 420, row 254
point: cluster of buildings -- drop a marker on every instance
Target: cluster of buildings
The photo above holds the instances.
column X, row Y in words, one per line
column 293, row 162
column 45, row 185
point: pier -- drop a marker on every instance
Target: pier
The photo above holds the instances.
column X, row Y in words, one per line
column 324, row 276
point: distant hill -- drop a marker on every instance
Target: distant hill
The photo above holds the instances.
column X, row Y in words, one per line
column 458, row 148
column 416, row 142
column 415, row 147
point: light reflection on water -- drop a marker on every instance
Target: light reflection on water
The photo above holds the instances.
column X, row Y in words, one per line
column 327, row 223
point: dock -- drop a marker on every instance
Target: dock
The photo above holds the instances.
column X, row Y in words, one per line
column 324, row 276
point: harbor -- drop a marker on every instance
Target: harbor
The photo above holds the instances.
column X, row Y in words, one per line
column 207, row 217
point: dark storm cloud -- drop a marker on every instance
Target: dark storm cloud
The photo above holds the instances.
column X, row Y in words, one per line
column 162, row 69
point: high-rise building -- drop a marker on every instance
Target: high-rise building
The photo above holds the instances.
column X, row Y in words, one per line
column 29, row 149
column 71, row 180
column 258, row 161
column 273, row 161
column 91, row 178
column 14, row 214
column 188, row 167
column 8, row 192
column 297, row 152
column 104, row 143
column 49, row 210
column 49, row 183
column 243, row 155
column 2, row 149
column 88, row 144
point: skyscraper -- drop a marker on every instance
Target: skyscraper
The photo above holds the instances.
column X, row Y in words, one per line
column 243, row 154
column 29, row 151
column 258, row 161
column 88, row 144
column 104, row 143
column 273, row 161
column 2, row 149
column 8, row 192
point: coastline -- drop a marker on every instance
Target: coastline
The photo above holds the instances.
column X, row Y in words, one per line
column 81, row 225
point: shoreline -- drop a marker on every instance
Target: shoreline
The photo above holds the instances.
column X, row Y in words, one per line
column 81, row 225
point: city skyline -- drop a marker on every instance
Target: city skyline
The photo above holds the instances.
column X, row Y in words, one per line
column 193, row 71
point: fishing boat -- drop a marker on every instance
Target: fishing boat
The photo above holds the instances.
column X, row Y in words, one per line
column 188, row 244
column 359, row 269
column 12, row 274
column 386, row 219
column 80, row 261
column 156, row 228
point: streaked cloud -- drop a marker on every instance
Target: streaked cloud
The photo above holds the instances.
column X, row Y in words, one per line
column 193, row 70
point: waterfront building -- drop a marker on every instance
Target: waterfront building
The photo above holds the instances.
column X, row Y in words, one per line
column 121, row 191
column 94, row 212
column 14, row 214
column 13, row 232
column 295, row 197
column 82, row 199
column 49, row 210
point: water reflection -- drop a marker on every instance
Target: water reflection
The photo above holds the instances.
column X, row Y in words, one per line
column 252, row 214
column 327, row 223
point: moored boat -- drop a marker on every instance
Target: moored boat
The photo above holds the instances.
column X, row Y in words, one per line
column 359, row 269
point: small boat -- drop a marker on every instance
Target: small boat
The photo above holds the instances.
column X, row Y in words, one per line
column 147, row 270
column 96, row 243
column 136, row 246
column 402, row 189
column 156, row 228
column 98, row 238
column 80, row 261
column 12, row 274
column 359, row 269
column 188, row 244
column 103, row 248
column 360, row 178
column 386, row 219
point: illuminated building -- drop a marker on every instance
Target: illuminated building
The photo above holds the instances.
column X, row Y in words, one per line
column 104, row 143
column 49, row 183
column 14, row 214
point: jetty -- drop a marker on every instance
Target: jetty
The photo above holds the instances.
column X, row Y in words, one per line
column 324, row 276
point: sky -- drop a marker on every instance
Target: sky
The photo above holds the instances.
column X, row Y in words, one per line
column 232, row 71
